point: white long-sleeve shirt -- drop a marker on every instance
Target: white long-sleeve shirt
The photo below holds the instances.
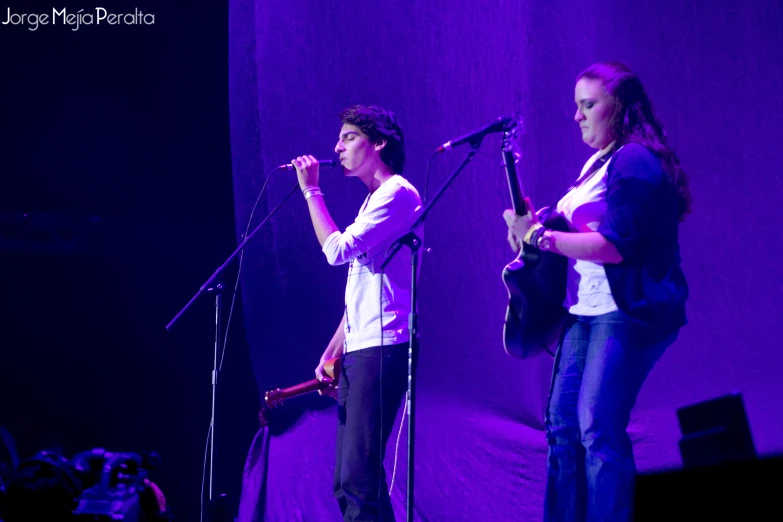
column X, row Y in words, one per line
column 377, row 305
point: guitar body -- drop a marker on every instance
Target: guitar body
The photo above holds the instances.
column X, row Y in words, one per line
column 535, row 280
column 536, row 284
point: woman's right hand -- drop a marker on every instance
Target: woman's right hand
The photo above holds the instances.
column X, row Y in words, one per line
column 518, row 226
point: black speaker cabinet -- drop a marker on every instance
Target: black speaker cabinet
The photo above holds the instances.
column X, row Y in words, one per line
column 721, row 479
column 715, row 432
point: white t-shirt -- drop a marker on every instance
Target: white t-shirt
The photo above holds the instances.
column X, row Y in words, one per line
column 584, row 206
column 386, row 215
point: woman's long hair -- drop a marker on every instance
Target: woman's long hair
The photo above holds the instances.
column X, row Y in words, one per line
column 634, row 121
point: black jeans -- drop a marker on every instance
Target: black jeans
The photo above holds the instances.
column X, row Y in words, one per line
column 366, row 415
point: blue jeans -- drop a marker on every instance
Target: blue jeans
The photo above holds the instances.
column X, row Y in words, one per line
column 366, row 413
column 600, row 366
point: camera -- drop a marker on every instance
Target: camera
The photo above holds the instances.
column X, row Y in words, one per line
column 95, row 485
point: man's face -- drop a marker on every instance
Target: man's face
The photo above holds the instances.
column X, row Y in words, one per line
column 358, row 155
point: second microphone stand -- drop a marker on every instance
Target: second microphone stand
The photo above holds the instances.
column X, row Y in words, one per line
column 414, row 243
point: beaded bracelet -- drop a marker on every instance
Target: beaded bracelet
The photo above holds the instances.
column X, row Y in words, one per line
column 537, row 235
column 531, row 232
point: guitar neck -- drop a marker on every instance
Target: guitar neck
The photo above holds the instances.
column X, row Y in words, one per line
column 300, row 389
column 276, row 397
column 517, row 198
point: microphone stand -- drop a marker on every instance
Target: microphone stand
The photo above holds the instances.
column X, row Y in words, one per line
column 212, row 285
column 414, row 243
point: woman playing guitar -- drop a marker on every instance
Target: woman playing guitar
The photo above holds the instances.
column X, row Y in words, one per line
column 625, row 291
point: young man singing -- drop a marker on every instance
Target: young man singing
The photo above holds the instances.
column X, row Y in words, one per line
column 377, row 303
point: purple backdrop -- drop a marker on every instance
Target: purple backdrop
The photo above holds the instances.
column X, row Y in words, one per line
column 446, row 68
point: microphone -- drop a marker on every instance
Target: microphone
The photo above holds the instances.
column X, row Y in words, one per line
column 499, row 125
column 323, row 163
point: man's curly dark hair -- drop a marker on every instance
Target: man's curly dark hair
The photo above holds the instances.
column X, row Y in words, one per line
column 379, row 125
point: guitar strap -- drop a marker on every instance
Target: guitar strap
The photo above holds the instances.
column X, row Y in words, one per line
column 594, row 167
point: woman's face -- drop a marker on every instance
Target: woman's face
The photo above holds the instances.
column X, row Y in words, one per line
column 594, row 109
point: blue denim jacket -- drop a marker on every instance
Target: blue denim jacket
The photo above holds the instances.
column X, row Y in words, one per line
column 642, row 222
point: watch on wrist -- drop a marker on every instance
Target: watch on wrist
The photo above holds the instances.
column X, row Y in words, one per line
column 545, row 242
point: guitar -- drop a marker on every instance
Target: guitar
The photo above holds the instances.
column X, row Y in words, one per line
column 535, row 280
column 275, row 398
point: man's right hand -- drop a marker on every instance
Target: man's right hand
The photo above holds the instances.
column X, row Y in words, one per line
column 333, row 349
column 330, row 390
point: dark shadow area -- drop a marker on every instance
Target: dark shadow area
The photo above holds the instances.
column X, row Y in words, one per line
column 116, row 204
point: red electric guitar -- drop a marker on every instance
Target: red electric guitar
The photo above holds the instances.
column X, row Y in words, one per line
column 275, row 398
